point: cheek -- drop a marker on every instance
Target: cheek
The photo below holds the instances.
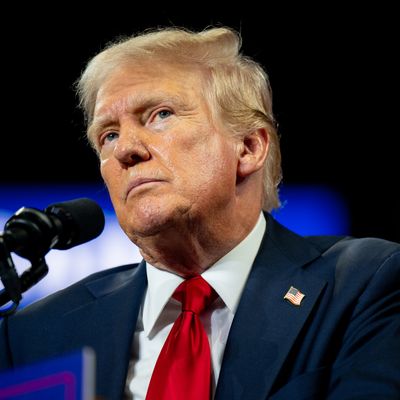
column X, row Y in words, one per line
column 222, row 173
column 105, row 171
column 111, row 177
column 211, row 171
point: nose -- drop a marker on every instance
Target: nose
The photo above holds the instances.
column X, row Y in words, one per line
column 131, row 148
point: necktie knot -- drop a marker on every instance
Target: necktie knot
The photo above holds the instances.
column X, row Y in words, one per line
column 195, row 294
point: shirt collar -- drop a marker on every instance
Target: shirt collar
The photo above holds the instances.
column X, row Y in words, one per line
column 227, row 276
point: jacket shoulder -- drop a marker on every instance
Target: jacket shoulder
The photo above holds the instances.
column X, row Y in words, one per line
column 74, row 294
column 356, row 248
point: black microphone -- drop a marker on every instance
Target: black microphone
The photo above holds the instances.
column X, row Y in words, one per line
column 31, row 233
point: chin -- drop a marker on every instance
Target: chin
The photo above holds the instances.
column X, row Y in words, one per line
column 151, row 218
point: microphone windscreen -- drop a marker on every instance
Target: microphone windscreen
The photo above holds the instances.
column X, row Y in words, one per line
column 81, row 219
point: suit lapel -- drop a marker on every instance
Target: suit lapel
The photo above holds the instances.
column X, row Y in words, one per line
column 266, row 326
column 112, row 317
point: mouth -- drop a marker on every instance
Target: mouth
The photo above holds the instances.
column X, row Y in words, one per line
column 140, row 182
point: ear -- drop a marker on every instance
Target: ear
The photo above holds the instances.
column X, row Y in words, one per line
column 253, row 151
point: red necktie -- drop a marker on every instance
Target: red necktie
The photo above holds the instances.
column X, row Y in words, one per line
column 183, row 368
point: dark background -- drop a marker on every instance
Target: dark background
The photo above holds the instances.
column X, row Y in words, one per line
column 333, row 72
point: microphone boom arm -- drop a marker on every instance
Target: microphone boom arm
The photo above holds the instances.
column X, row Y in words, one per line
column 9, row 276
column 15, row 285
column 37, row 271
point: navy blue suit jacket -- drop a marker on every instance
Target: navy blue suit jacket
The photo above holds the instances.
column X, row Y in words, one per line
column 342, row 342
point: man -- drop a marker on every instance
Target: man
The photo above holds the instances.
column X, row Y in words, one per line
column 186, row 138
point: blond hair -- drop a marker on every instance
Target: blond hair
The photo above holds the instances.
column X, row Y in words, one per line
column 237, row 86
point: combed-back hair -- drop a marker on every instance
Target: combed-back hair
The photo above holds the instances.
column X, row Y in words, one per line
column 236, row 86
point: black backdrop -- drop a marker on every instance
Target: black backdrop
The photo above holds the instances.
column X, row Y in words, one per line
column 333, row 73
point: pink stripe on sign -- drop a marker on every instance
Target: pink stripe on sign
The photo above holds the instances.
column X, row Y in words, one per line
column 62, row 378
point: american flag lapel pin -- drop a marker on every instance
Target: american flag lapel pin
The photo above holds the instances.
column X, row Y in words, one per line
column 294, row 296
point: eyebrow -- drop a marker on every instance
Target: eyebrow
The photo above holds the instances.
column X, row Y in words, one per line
column 134, row 104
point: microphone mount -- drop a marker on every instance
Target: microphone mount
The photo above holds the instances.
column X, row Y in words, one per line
column 15, row 285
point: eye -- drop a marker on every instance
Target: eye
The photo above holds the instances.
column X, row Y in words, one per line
column 163, row 114
column 109, row 137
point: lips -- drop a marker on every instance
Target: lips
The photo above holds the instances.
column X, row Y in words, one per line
column 138, row 181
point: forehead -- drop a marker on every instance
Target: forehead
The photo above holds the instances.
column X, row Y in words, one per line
column 132, row 85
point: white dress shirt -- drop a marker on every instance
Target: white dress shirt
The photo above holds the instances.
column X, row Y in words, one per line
column 159, row 311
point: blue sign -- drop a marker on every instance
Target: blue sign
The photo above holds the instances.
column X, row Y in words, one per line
column 65, row 378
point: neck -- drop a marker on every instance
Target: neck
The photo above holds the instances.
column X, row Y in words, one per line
column 191, row 246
